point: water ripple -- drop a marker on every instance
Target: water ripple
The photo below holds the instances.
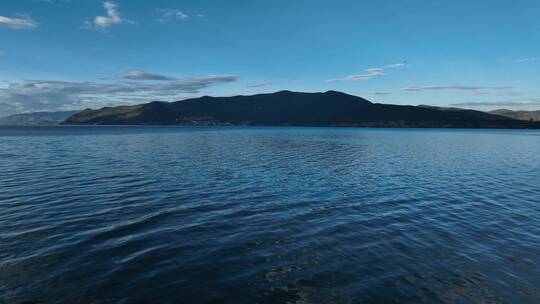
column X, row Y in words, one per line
column 268, row 215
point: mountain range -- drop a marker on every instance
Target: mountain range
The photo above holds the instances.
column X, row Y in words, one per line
column 286, row 108
column 519, row 115
column 36, row 118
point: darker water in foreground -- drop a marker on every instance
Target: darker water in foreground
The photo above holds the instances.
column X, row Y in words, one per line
column 269, row 215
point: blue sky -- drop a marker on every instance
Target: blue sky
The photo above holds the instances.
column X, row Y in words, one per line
column 72, row 54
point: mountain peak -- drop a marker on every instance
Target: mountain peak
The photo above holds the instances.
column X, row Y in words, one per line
column 334, row 92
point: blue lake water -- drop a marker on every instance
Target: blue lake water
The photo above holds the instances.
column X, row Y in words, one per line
column 269, row 215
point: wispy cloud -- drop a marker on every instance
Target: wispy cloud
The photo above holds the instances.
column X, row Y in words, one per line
column 380, row 93
column 52, row 1
column 527, row 59
column 49, row 95
column 142, row 75
column 369, row 73
column 396, row 65
column 167, row 15
column 455, row 87
column 499, row 93
column 258, row 85
column 113, row 17
column 2, row 52
column 504, row 103
column 20, row 22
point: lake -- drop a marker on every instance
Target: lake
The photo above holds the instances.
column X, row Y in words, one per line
column 269, row 215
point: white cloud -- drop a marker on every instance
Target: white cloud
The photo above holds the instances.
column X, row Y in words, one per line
column 375, row 71
column 142, row 75
column 455, row 87
column 528, row 59
column 113, row 17
column 396, row 66
column 49, row 95
column 21, row 22
column 167, row 15
column 258, row 85
column 369, row 73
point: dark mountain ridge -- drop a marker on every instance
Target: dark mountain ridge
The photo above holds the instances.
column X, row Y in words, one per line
column 285, row 108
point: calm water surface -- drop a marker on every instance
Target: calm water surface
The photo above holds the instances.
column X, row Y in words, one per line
column 269, row 215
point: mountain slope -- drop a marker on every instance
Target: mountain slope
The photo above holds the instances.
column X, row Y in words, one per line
column 480, row 115
column 519, row 115
column 287, row 108
column 36, row 118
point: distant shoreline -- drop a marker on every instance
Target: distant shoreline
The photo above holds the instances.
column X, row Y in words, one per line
column 258, row 126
